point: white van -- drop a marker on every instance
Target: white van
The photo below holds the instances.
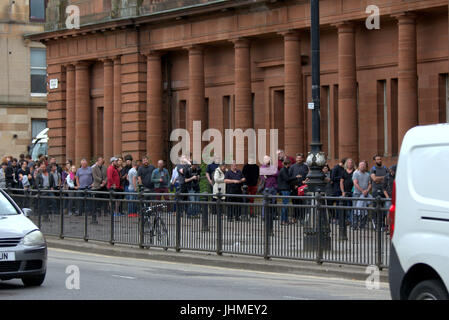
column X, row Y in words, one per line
column 419, row 257
column 39, row 145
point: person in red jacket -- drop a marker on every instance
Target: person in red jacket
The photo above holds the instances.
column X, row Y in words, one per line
column 113, row 176
column 282, row 157
column 114, row 182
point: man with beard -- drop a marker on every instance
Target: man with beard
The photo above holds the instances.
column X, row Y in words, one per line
column 378, row 174
column 299, row 171
column 100, row 175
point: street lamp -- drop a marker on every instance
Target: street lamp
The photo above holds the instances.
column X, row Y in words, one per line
column 317, row 225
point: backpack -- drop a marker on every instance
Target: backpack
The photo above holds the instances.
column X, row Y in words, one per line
column 261, row 185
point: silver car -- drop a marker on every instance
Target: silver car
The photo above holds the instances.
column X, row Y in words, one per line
column 23, row 249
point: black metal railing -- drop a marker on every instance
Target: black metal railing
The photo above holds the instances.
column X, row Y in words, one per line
column 315, row 228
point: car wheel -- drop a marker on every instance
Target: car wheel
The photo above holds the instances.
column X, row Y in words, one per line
column 33, row 281
column 429, row 290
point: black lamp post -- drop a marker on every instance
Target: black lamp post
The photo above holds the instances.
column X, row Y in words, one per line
column 317, row 225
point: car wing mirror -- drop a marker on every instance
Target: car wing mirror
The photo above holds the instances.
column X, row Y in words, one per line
column 27, row 212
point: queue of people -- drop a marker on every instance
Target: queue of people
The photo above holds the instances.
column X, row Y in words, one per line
column 286, row 178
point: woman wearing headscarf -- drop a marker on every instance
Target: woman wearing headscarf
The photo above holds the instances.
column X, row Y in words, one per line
column 268, row 183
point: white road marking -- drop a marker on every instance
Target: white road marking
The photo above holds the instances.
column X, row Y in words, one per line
column 295, row 298
column 123, row 277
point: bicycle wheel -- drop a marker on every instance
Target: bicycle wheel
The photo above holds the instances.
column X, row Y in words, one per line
column 161, row 233
column 148, row 227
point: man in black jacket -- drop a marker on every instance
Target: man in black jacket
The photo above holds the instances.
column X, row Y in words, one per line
column 299, row 171
column 336, row 175
column 185, row 179
column 55, row 184
column 251, row 173
column 195, row 171
column 10, row 174
column 42, row 183
column 284, row 188
column 144, row 175
column 52, row 162
column 234, row 180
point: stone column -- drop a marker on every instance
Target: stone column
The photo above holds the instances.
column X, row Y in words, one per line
column 243, row 113
column 83, row 114
column 154, row 126
column 70, row 112
column 293, row 98
column 196, row 105
column 347, row 92
column 108, row 111
column 407, row 75
column 117, row 131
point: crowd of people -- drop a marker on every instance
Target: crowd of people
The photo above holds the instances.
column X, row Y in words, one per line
column 287, row 177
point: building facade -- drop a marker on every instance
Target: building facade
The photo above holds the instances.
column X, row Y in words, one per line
column 23, row 92
column 136, row 70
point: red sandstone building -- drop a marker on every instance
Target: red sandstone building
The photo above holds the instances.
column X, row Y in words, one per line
column 130, row 75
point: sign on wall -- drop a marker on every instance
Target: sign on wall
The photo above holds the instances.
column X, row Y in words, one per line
column 53, row 84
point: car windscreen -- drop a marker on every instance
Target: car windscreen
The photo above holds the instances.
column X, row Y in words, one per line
column 6, row 208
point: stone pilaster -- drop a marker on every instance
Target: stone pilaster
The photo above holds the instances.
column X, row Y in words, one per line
column 83, row 114
column 70, row 112
column 108, row 111
column 347, row 92
column 293, row 98
column 196, row 104
column 243, row 112
column 117, row 132
column 154, row 114
column 407, row 75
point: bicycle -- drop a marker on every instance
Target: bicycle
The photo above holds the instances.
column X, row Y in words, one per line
column 154, row 226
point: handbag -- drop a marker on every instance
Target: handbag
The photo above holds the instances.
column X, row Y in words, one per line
column 301, row 190
column 261, row 185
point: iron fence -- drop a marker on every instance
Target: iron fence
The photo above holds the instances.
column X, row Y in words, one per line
column 314, row 228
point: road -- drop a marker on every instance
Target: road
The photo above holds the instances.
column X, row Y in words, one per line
column 361, row 246
column 105, row 277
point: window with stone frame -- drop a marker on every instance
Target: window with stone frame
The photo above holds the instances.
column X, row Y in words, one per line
column 37, row 125
column 38, row 71
column 37, row 10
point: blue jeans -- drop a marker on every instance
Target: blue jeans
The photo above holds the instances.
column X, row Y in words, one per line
column 132, row 207
column 285, row 201
column 193, row 208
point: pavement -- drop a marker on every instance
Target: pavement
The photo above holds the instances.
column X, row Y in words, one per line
column 249, row 263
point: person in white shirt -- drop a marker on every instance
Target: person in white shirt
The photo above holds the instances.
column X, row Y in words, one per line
column 71, row 185
column 132, row 187
column 362, row 187
column 174, row 180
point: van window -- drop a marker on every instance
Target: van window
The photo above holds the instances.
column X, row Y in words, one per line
column 429, row 171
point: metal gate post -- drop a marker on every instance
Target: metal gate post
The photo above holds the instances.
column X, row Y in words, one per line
column 219, row 224
column 61, row 212
column 178, row 224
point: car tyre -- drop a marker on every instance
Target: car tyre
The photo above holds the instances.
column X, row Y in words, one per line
column 429, row 290
column 33, row 281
